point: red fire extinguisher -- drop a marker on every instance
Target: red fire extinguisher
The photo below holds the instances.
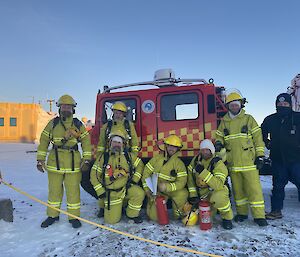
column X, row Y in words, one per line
column 109, row 170
column 161, row 210
column 205, row 221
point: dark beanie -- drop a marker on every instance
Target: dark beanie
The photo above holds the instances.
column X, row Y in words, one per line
column 284, row 97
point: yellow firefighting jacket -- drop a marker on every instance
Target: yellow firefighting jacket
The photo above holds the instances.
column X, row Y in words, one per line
column 65, row 137
column 212, row 178
column 118, row 126
column 171, row 171
column 117, row 172
column 242, row 139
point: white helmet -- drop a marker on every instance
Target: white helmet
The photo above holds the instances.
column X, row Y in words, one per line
column 207, row 144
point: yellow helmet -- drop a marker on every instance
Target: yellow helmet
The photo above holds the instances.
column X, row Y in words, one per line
column 118, row 133
column 233, row 97
column 66, row 99
column 120, row 106
column 173, row 140
column 191, row 219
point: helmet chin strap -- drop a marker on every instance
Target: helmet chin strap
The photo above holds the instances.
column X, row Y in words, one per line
column 167, row 153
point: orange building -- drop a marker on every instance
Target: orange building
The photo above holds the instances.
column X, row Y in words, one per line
column 22, row 122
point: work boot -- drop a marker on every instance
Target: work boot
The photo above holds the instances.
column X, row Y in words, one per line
column 227, row 224
column 49, row 221
column 261, row 222
column 100, row 213
column 137, row 219
column 274, row 215
column 75, row 223
column 240, row 218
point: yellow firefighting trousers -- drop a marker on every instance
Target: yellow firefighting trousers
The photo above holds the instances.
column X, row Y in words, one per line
column 56, row 184
column 134, row 200
column 220, row 201
column 247, row 191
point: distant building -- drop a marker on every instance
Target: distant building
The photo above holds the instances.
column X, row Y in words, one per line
column 22, row 122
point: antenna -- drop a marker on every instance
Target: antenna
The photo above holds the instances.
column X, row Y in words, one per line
column 50, row 101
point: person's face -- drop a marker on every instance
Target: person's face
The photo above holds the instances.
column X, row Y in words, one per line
column 171, row 149
column 116, row 147
column 118, row 115
column 283, row 108
column 66, row 110
column 284, row 104
column 205, row 153
column 234, row 108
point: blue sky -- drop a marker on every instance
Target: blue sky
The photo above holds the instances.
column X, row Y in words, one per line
column 49, row 48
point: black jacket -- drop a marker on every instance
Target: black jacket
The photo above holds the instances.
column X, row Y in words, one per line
column 284, row 132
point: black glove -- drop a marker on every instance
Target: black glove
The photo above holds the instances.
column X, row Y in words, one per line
column 85, row 165
column 40, row 165
column 102, row 196
column 218, row 146
column 199, row 168
column 259, row 162
column 193, row 200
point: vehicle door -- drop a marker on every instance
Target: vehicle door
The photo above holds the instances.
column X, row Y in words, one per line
column 181, row 113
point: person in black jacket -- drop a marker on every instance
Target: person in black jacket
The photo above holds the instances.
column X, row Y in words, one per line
column 281, row 134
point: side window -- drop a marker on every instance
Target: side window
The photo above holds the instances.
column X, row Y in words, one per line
column 211, row 104
column 179, row 107
column 131, row 109
column 13, row 122
column 1, row 122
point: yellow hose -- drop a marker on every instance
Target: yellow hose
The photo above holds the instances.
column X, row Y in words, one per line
column 107, row 228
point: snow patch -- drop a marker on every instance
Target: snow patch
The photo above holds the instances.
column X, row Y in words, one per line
column 25, row 237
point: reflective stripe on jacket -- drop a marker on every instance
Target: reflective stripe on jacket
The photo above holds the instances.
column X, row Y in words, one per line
column 120, row 172
column 171, row 171
column 242, row 139
column 60, row 138
column 215, row 179
column 118, row 126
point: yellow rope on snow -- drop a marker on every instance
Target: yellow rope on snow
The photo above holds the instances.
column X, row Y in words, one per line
column 108, row 228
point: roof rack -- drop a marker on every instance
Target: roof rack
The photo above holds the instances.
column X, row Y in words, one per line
column 159, row 83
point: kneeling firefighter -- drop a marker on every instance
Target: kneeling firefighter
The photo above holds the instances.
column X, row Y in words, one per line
column 119, row 122
column 206, row 178
column 172, row 178
column 64, row 163
column 115, row 176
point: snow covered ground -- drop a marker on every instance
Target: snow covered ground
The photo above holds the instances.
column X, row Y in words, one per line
column 24, row 237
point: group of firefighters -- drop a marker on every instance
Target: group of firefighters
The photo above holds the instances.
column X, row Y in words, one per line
column 118, row 176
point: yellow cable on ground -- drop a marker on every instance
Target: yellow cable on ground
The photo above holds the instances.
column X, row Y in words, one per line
column 107, row 228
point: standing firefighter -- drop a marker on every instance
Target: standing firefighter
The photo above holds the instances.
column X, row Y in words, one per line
column 64, row 162
column 172, row 177
column 118, row 123
column 206, row 177
column 239, row 133
column 281, row 133
column 115, row 176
